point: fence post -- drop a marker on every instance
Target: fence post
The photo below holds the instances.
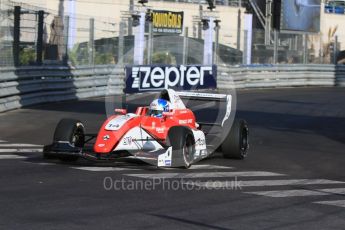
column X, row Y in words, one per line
column 16, row 35
column 121, row 44
column 335, row 52
column 91, row 44
column 130, row 20
column 216, row 48
column 39, row 48
column 199, row 23
column 66, row 35
column 185, row 46
column 150, row 45
column 275, row 49
column 238, row 45
column 321, row 50
column 245, row 48
column 305, row 49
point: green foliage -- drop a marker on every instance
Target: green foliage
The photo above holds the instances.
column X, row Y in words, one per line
column 163, row 58
column 104, row 58
column 79, row 56
column 27, row 56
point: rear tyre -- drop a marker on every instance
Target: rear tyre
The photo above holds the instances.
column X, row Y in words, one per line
column 236, row 143
column 72, row 131
column 182, row 141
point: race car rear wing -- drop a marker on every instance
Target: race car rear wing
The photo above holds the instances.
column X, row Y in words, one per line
column 222, row 98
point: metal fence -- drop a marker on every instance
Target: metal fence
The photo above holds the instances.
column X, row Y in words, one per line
column 291, row 48
column 31, row 36
column 37, row 36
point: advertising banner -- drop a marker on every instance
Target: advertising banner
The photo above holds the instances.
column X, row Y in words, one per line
column 167, row 22
column 156, row 78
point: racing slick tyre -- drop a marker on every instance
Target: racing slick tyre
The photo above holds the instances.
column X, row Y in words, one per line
column 236, row 143
column 182, row 142
column 71, row 131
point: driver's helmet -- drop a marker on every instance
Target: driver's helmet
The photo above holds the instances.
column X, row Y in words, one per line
column 158, row 106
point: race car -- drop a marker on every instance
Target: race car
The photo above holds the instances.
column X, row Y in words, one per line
column 164, row 134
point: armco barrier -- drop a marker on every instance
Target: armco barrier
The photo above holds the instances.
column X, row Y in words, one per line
column 29, row 86
column 34, row 85
column 281, row 76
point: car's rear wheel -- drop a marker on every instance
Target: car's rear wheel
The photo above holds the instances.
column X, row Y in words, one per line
column 236, row 143
column 182, row 141
column 71, row 131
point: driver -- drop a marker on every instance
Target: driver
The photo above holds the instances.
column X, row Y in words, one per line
column 158, row 106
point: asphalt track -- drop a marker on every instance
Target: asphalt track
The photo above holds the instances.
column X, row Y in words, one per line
column 293, row 177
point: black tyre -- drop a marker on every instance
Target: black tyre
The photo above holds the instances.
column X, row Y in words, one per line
column 236, row 143
column 72, row 131
column 183, row 145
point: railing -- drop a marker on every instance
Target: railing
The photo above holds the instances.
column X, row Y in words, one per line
column 29, row 86
column 281, row 76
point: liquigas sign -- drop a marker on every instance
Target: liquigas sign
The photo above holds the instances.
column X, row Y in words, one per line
column 167, row 22
column 183, row 77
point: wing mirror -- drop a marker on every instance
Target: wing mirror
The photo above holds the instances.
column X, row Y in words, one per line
column 121, row 111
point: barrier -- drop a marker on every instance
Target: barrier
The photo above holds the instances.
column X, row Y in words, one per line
column 281, row 76
column 34, row 85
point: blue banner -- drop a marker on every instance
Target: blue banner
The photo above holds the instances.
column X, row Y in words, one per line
column 183, row 77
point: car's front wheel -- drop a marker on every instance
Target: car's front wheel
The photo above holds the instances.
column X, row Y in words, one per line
column 71, row 131
column 183, row 145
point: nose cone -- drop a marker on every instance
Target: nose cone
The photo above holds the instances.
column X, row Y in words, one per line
column 105, row 143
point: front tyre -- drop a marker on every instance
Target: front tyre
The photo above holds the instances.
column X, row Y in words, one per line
column 182, row 142
column 236, row 143
column 71, row 131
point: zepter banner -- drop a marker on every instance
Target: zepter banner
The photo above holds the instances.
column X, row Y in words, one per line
column 156, row 78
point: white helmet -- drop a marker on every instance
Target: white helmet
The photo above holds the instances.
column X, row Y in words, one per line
column 158, row 106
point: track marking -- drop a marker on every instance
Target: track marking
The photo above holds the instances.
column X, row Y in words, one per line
column 6, row 145
column 11, row 157
column 264, row 183
column 288, row 193
column 339, row 203
column 300, row 192
column 40, row 163
column 1, row 141
column 102, row 169
column 18, row 150
column 210, row 167
column 206, row 175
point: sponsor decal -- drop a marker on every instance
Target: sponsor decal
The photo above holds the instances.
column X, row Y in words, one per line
column 106, row 137
column 155, row 78
column 200, row 142
column 167, row 22
column 185, row 122
column 101, row 145
column 167, row 162
column 160, row 130
column 127, row 141
column 118, row 122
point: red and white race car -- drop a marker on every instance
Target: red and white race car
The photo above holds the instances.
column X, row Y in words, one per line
column 173, row 139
